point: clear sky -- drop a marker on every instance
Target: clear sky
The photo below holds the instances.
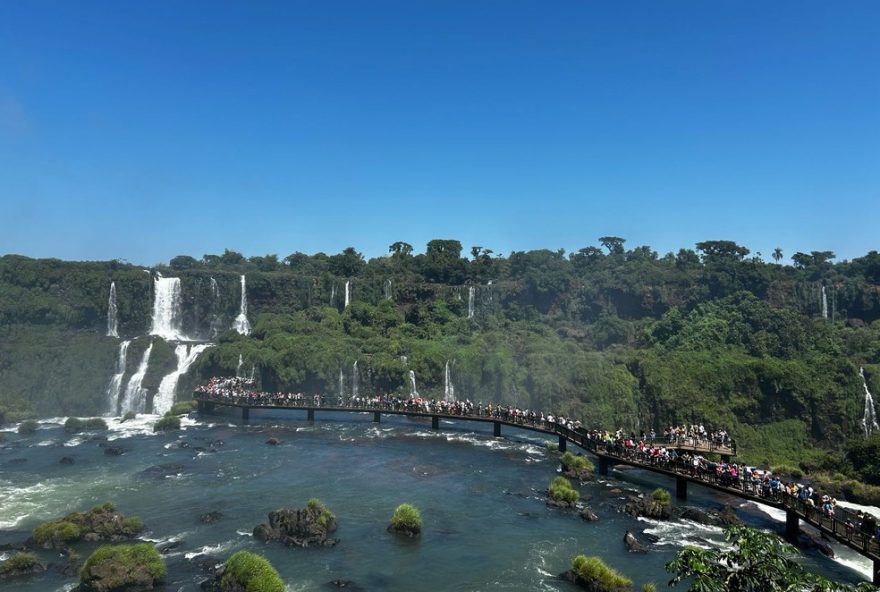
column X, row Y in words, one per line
column 146, row 129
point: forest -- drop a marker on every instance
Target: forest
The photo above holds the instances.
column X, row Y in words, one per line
column 619, row 337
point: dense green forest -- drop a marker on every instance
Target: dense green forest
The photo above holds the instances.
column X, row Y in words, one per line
column 618, row 337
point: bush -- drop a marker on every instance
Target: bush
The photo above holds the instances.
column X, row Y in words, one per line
column 132, row 525
column 593, row 569
column 552, row 446
column 562, row 491
column 251, row 572
column 573, row 462
column 27, row 427
column 74, row 425
column 169, row 422
column 56, row 532
column 407, row 517
column 661, row 496
column 128, row 415
column 182, row 408
column 18, row 562
column 128, row 560
column 326, row 515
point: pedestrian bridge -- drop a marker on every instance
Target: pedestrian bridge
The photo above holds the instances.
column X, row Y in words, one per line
column 865, row 543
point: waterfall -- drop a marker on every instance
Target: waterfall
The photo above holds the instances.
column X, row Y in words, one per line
column 240, row 364
column 116, row 380
column 341, row 384
column 112, row 311
column 354, row 380
column 333, row 295
column 186, row 356
column 869, row 419
column 448, row 389
column 135, row 398
column 167, row 317
column 347, row 293
column 471, row 294
column 387, row 289
column 241, row 323
column 216, row 321
column 824, row 303
column 413, row 392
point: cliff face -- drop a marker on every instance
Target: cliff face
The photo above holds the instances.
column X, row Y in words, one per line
column 623, row 340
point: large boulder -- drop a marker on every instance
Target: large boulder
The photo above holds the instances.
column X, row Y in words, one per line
column 309, row 527
column 657, row 506
column 632, row 543
column 122, row 568
column 20, row 565
column 588, row 515
column 726, row 517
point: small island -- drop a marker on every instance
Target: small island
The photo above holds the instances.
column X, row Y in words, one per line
column 407, row 521
column 309, row 527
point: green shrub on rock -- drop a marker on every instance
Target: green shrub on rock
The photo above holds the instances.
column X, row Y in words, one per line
column 406, row 519
column 121, row 567
column 251, row 573
column 594, row 574
column 182, row 408
column 74, row 425
column 27, row 427
column 169, row 422
column 20, row 562
column 560, row 490
column 56, row 533
column 575, row 464
column 128, row 415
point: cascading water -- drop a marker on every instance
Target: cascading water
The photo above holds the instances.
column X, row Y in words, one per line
column 241, row 323
column 387, row 289
column 413, row 392
column 167, row 316
column 216, row 320
column 355, row 378
column 869, row 419
column 116, row 380
column 448, row 389
column 471, row 294
column 135, row 398
column 824, row 303
column 240, row 364
column 333, row 295
column 112, row 311
column 341, row 384
column 186, row 356
column 347, row 293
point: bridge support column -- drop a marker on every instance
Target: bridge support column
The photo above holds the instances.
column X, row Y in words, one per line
column 793, row 526
column 377, row 415
column 200, row 407
column 497, row 431
column 435, row 422
column 604, row 466
column 681, row 488
column 245, row 414
column 562, row 443
column 877, row 572
column 311, row 414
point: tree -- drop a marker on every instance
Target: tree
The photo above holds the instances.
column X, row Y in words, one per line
column 614, row 244
column 400, row 249
column 777, row 255
column 348, row 263
column 443, row 262
column 183, row 262
column 802, row 260
column 715, row 250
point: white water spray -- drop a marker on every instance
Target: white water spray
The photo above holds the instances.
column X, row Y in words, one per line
column 413, row 392
column 241, row 323
column 333, row 295
column 112, row 311
column 135, row 398
column 186, row 356
column 347, row 293
column 216, row 321
column 341, row 384
column 167, row 316
column 240, row 364
column 448, row 389
column 869, row 419
column 116, row 380
column 471, row 294
column 387, row 289
column 824, row 303
column 354, row 380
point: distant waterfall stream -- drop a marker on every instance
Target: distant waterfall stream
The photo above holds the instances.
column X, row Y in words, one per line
column 115, row 385
column 112, row 313
column 241, row 323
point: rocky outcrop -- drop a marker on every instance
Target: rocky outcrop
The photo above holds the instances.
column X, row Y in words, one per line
column 273, row 441
column 647, row 507
column 20, row 565
column 210, row 517
column 122, row 568
column 67, row 460
column 100, row 524
column 726, row 517
column 588, row 515
column 309, row 527
column 632, row 543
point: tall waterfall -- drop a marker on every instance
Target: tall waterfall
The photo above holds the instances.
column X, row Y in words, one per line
column 333, row 295
column 216, row 320
column 869, row 419
column 135, row 398
column 347, row 293
column 186, row 356
column 112, row 311
column 240, row 364
column 471, row 294
column 167, row 316
column 341, row 384
column 448, row 389
column 386, row 289
column 824, row 303
column 241, row 323
column 355, row 378
column 116, row 380
column 413, row 392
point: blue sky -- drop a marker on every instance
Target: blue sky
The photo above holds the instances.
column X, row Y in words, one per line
column 144, row 130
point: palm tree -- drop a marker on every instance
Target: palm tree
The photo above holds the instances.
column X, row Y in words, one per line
column 777, row 255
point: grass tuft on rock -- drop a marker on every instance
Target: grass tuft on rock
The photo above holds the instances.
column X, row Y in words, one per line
column 407, row 517
column 601, row 577
column 576, row 463
column 27, row 427
column 182, row 408
column 561, row 491
column 18, row 562
column 661, row 496
column 75, row 425
column 122, row 567
column 169, row 422
column 252, row 573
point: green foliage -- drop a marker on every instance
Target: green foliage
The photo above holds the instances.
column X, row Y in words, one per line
column 18, row 562
column 552, row 447
column 560, row 490
column 649, row 587
column 864, row 455
column 132, row 525
column 182, row 408
column 594, row 570
column 128, row 561
column 251, row 573
column 169, row 422
column 325, row 516
column 27, row 427
column 74, row 425
column 576, row 463
column 407, row 517
column 56, row 532
column 661, row 496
